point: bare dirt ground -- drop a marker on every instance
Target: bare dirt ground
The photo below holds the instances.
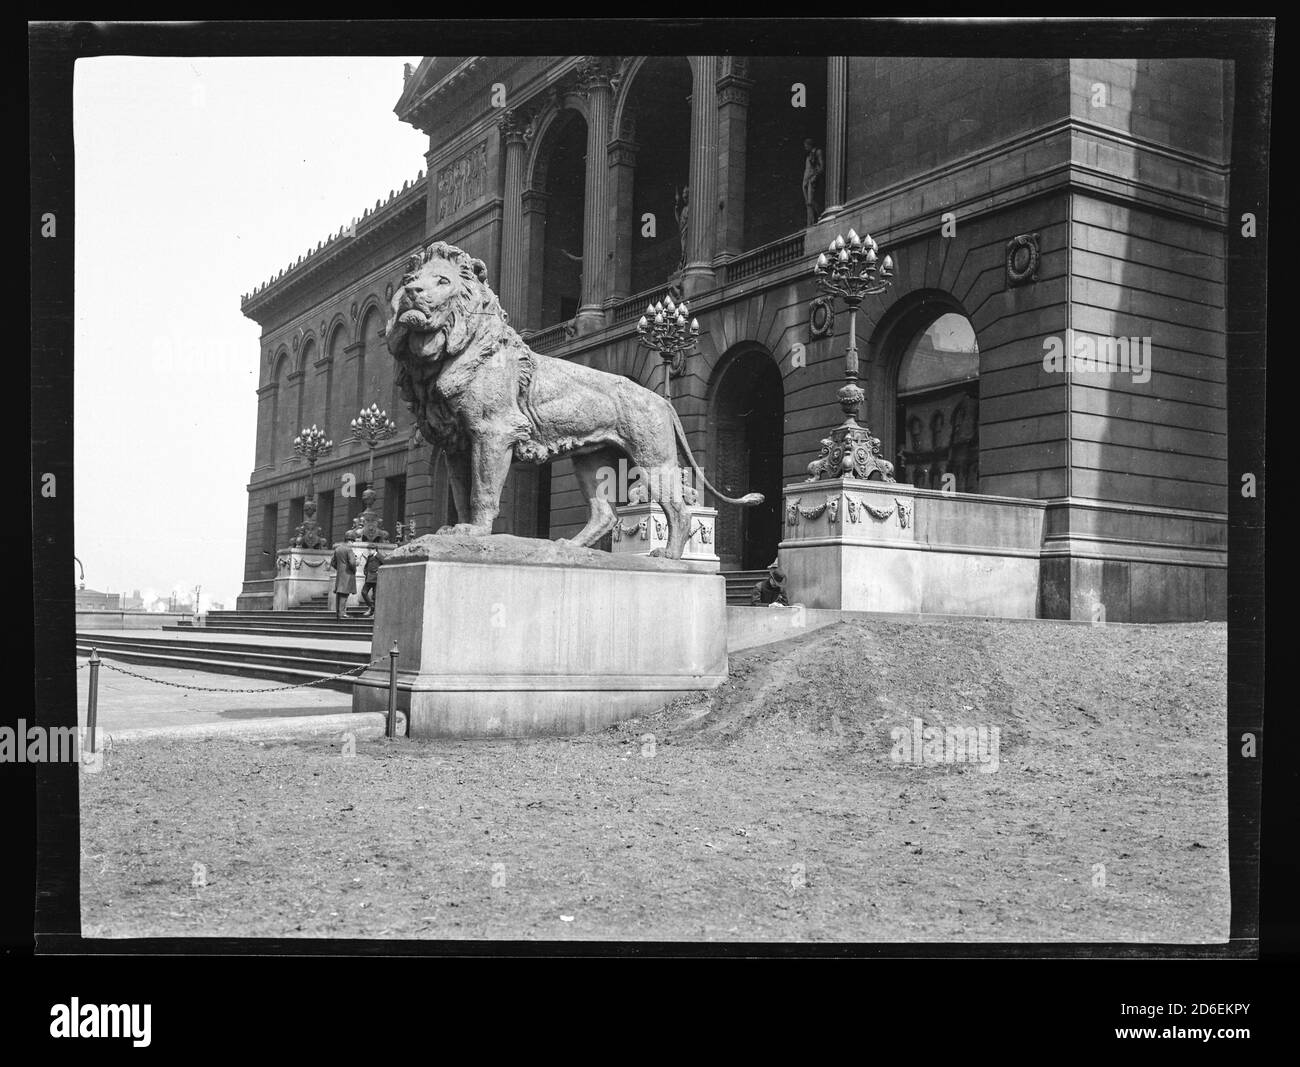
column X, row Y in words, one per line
column 770, row 809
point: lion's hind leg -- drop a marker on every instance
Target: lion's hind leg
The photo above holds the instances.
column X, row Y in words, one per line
column 665, row 484
column 595, row 490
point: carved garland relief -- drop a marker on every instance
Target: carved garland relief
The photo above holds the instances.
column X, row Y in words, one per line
column 856, row 508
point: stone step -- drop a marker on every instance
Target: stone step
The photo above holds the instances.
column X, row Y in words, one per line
column 308, row 632
column 237, row 650
column 740, row 585
column 295, row 612
column 247, row 665
column 289, row 618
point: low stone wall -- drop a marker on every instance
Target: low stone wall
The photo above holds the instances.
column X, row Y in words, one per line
column 130, row 620
column 748, row 627
column 872, row 546
column 884, row 547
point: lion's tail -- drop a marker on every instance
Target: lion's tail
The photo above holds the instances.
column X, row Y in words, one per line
column 748, row 500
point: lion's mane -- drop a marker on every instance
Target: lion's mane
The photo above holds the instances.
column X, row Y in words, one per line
column 474, row 324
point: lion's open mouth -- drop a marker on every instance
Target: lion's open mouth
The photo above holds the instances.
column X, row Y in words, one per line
column 415, row 330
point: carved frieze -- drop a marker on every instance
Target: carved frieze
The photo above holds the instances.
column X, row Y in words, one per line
column 462, row 182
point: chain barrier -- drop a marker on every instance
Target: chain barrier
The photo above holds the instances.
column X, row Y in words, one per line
column 222, row 689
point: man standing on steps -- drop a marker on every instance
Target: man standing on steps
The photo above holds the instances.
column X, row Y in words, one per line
column 373, row 562
column 345, row 580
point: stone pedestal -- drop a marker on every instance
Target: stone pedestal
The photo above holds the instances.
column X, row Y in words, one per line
column 881, row 546
column 506, row 636
column 642, row 528
column 300, row 574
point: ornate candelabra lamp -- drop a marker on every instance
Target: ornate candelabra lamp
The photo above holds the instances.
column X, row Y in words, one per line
column 371, row 427
column 852, row 270
column 667, row 328
column 311, row 444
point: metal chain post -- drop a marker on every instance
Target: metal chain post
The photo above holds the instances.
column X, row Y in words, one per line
column 92, row 704
column 391, row 730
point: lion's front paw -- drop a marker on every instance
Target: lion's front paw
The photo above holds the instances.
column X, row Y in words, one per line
column 443, row 531
column 467, row 528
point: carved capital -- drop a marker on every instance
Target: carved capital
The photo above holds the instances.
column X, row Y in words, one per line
column 514, row 125
column 595, row 74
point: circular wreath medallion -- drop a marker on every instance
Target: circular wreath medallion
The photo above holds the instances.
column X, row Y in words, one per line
column 1022, row 259
column 821, row 317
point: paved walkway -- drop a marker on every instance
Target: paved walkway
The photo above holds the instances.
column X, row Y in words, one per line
column 131, row 703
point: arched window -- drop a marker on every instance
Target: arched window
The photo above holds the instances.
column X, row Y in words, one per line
column 309, row 400
column 937, row 415
column 338, row 341
column 369, row 364
column 281, row 409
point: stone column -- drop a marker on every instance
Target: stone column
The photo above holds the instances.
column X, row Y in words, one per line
column 513, row 265
column 622, row 176
column 733, row 123
column 596, row 251
column 702, row 228
column 533, row 211
column 837, row 102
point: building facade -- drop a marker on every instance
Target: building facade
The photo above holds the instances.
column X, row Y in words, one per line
column 1055, row 331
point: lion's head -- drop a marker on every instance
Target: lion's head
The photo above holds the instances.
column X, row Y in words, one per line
column 443, row 308
column 443, row 304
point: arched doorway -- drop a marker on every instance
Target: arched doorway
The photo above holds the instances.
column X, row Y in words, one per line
column 746, row 431
column 936, row 417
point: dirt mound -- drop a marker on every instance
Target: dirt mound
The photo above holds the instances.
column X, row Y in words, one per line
column 847, row 687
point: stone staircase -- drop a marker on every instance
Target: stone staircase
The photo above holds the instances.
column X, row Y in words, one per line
column 314, row 619
column 283, row 659
column 740, row 585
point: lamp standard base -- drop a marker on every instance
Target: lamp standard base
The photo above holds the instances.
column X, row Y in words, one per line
column 851, row 452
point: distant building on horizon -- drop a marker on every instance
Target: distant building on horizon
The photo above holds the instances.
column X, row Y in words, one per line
column 94, row 600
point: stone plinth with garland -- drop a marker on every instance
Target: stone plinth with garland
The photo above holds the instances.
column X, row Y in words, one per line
column 641, row 529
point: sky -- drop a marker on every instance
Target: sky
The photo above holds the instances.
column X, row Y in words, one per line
column 198, row 179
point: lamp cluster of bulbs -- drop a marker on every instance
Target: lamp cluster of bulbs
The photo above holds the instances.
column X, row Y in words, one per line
column 664, row 326
column 311, row 444
column 853, row 269
column 372, row 425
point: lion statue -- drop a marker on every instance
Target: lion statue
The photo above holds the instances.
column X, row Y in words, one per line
column 481, row 394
